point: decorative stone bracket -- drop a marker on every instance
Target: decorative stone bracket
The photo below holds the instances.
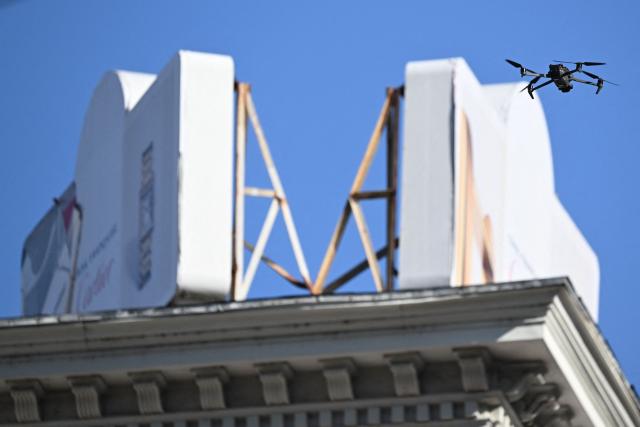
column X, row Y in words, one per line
column 25, row 394
column 473, row 362
column 337, row 374
column 405, row 368
column 274, row 377
column 210, row 385
column 148, row 387
column 86, row 391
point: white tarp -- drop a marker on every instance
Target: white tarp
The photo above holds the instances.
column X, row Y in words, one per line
column 154, row 180
column 48, row 255
column 478, row 201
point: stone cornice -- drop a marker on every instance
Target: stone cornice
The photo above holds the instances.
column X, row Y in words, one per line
column 544, row 316
column 444, row 307
column 610, row 401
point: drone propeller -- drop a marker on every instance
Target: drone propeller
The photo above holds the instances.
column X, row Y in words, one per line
column 587, row 63
column 514, row 63
column 600, row 82
column 523, row 71
column 593, row 76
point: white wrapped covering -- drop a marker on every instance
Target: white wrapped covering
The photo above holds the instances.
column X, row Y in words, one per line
column 478, row 201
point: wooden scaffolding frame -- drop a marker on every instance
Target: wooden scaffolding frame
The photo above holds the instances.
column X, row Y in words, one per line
column 388, row 118
column 241, row 280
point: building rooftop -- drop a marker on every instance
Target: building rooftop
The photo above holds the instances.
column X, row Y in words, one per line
column 536, row 327
column 418, row 296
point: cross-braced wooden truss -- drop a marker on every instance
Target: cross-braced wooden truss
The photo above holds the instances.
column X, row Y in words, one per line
column 241, row 283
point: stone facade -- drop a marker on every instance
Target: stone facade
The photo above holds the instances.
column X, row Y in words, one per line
column 519, row 354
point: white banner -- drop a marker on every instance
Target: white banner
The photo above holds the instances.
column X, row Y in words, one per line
column 154, row 180
column 48, row 256
column 478, row 201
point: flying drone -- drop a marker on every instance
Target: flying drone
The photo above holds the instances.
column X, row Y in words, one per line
column 561, row 76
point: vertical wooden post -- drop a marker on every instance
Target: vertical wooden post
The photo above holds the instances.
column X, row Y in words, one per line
column 238, row 220
column 392, row 183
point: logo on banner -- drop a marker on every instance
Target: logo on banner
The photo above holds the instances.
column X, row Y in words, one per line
column 145, row 215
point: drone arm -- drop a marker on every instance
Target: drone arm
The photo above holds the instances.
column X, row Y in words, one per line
column 598, row 85
column 529, row 88
column 527, row 72
column 541, row 85
column 587, row 82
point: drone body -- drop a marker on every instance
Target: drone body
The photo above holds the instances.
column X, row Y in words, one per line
column 561, row 76
column 558, row 73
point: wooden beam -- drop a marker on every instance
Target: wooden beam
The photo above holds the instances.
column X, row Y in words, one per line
column 279, row 190
column 376, row 194
column 264, row 146
column 237, row 265
column 372, row 147
column 361, row 175
column 392, row 183
column 267, row 226
column 358, row 215
column 330, row 254
column 356, row 270
column 295, row 242
column 259, row 192
column 277, row 268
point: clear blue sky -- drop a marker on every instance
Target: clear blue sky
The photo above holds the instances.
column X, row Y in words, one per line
column 319, row 71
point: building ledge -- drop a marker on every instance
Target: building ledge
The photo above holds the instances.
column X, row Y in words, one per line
column 480, row 334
